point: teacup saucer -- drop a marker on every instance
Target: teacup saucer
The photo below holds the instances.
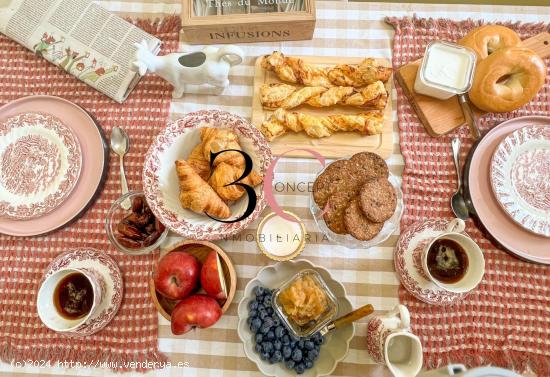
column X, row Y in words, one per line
column 102, row 263
column 408, row 263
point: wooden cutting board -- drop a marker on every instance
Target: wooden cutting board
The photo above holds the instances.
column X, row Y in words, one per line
column 340, row 144
column 442, row 116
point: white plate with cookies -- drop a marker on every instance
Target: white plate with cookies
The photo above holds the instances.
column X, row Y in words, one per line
column 356, row 202
column 193, row 195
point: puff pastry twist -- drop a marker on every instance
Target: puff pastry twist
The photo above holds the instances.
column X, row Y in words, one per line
column 296, row 71
column 282, row 121
column 279, row 95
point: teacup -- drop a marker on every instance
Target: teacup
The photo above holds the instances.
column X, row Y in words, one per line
column 48, row 312
column 390, row 342
column 475, row 267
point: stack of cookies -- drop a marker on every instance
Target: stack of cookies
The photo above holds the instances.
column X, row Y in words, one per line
column 356, row 196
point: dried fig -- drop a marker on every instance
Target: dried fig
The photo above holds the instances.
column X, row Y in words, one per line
column 137, row 204
column 129, row 243
column 130, row 231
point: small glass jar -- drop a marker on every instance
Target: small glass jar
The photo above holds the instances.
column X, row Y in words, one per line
column 280, row 239
column 447, row 69
column 116, row 214
column 313, row 326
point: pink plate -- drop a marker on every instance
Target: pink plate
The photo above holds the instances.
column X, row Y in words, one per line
column 40, row 161
column 161, row 184
column 520, row 177
column 94, row 163
column 506, row 231
column 407, row 258
column 102, row 264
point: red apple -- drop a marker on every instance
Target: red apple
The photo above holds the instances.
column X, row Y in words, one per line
column 177, row 275
column 210, row 277
column 195, row 311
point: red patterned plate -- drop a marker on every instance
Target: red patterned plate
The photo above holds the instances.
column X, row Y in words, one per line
column 408, row 263
column 104, row 265
column 161, row 185
column 520, row 177
column 40, row 162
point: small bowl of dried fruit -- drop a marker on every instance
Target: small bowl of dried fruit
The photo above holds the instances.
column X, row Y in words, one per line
column 132, row 227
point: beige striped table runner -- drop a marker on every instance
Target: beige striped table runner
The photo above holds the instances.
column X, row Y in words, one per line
column 343, row 29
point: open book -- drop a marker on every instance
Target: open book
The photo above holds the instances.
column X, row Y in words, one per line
column 80, row 37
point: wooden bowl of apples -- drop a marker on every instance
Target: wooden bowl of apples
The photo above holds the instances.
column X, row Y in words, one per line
column 193, row 285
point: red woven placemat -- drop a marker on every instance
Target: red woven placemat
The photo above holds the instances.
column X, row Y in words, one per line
column 132, row 335
column 506, row 321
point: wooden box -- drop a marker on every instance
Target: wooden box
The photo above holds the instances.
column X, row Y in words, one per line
column 252, row 23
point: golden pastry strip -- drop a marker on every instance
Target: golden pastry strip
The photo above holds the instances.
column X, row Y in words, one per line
column 369, row 123
column 296, row 71
column 279, row 95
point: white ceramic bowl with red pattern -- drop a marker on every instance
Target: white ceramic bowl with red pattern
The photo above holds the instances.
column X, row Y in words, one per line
column 161, row 184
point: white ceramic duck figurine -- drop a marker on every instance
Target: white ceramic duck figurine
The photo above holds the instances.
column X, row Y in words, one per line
column 208, row 66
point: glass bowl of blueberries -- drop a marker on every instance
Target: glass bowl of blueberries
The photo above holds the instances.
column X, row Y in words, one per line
column 273, row 346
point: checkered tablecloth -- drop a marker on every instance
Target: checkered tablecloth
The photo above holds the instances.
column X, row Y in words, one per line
column 343, row 29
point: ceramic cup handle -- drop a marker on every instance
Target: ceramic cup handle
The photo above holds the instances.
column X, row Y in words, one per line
column 234, row 55
column 456, row 226
column 402, row 312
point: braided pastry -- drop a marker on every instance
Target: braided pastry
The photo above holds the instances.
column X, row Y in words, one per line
column 279, row 95
column 296, row 71
column 281, row 121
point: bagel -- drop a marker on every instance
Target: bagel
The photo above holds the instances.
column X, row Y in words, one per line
column 507, row 79
column 485, row 40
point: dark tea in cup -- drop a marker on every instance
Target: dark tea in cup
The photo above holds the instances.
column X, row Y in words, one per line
column 447, row 260
column 74, row 296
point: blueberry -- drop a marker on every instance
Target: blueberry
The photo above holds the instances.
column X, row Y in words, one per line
column 253, row 305
column 279, row 331
column 301, row 344
column 277, row 322
column 268, row 321
column 269, row 310
column 267, row 300
column 286, row 339
column 255, row 325
column 309, row 345
column 293, row 344
column 287, row 351
column 258, row 348
column 297, row 355
column 259, row 291
column 264, row 356
column 300, row 368
column 264, row 329
column 270, row 335
column 290, row 364
column 277, row 356
column 318, row 339
column 262, row 314
column 253, row 314
column 308, row 364
column 259, row 337
column 277, row 344
column 267, row 346
column 313, row 354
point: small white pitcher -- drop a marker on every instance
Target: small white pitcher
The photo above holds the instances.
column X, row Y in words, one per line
column 390, row 342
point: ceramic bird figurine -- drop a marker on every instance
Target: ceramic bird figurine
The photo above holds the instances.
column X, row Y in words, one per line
column 182, row 69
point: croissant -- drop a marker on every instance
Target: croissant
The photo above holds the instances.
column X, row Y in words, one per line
column 220, row 139
column 198, row 162
column 224, row 174
column 369, row 123
column 296, row 71
column 279, row 95
column 197, row 195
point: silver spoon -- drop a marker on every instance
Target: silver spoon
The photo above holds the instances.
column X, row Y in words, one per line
column 458, row 205
column 120, row 144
